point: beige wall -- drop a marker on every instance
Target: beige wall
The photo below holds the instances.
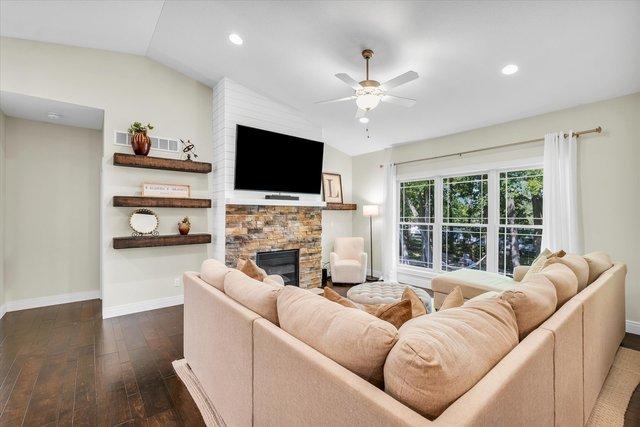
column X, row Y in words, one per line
column 609, row 173
column 127, row 88
column 52, row 211
column 337, row 223
column 2, row 206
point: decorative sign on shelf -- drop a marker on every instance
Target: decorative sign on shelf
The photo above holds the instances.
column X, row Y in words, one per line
column 150, row 189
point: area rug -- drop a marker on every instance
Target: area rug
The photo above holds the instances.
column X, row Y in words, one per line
column 616, row 392
column 209, row 414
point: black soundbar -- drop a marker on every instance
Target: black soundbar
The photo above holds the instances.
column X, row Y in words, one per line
column 280, row 197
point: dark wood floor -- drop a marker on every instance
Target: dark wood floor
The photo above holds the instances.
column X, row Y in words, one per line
column 64, row 365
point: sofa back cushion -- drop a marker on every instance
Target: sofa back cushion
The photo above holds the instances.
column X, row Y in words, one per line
column 352, row 338
column 578, row 265
column 532, row 302
column 259, row 297
column 439, row 357
column 213, row 272
column 563, row 279
column 598, row 263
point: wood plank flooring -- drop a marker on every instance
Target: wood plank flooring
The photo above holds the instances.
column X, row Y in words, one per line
column 64, row 365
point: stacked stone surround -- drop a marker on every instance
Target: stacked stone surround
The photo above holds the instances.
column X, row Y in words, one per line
column 250, row 229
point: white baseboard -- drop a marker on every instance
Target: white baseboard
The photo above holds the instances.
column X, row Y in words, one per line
column 3, row 310
column 24, row 304
column 137, row 307
column 633, row 327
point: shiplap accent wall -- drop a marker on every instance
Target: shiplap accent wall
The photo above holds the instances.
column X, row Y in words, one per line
column 235, row 104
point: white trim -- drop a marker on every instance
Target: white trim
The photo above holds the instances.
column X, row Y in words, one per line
column 633, row 327
column 137, row 307
column 24, row 304
column 275, row 202
column 3, row 310
column 416, row 276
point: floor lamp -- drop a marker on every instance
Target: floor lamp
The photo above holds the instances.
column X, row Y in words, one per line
column 371, row 211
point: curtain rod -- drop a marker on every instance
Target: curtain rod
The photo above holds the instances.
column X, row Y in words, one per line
column 512, row 144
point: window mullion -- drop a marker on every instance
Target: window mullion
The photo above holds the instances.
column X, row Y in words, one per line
column 493, row 218
column 437, row 227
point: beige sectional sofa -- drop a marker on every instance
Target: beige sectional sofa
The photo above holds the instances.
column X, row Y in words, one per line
column 255, row 373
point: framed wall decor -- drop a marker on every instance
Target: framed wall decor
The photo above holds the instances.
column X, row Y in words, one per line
column 151, row 189
column 332, row 187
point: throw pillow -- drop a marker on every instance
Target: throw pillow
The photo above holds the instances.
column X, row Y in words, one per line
column 252, row 270
column 332, row 295
column 454, row 299
column 272, row 281
column 541, row 262
column 417, row 306
column 598, row 262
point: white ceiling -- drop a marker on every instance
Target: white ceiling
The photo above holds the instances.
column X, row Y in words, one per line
column 569, row 53
column 38, row 109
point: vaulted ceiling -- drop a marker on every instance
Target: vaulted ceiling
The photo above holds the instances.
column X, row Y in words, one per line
column 569, row 53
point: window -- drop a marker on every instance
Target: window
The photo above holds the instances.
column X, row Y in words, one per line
column 417, row 215
column 445, row 222
column 520, row 229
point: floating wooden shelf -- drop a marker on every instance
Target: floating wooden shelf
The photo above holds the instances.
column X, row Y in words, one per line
column 341, row 207
column 153, row 241
column 147, row 162
column 160, row 202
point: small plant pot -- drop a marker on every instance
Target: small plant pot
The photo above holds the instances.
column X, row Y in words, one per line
column 140, row 143
column 184, row 228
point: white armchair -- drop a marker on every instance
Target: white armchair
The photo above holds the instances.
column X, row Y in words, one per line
column 348, row 260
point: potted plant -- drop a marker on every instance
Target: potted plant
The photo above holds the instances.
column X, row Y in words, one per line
column 140, row 142
column 184, row 226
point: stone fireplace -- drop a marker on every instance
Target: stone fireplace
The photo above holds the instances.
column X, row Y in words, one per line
column 253, row 229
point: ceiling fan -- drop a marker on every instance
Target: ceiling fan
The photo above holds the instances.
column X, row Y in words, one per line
column 369, row 93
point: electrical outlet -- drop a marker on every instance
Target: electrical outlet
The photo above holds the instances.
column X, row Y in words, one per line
column 177, row 282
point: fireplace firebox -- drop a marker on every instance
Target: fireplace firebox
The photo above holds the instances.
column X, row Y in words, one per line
column 284, row 263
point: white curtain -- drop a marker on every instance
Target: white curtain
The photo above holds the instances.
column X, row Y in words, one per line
column 389, row 225
column 561, row 213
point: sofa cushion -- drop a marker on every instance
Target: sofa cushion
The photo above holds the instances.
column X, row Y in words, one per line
column 251, row 269
column 532, row 302
column 441, row 356
column 563, row 279
column 259, row 297
column 578, row 265
column 417, row 306
column 352, row 338
column 537, row 265
column 213, row 272
column 598, row 263
column 454, row 299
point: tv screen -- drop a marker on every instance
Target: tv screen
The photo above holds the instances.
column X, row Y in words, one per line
column 270, row 161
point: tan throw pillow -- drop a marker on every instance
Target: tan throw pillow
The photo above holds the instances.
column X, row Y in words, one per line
column 213, row 272
column 532, row 302
column 352, row 338
column 417, row 306
column 540, row 262
column 454, row 299
column 563, row 279
column 395, row 313
column 598, row 263
column 252, row 270
column 441, row 356
column 578, row 265
column 259, row 297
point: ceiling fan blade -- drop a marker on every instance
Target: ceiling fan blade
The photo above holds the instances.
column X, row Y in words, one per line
column 405, row 102
column 349, row 80
column 329, row 101
column 360, row 113
column 400, row 80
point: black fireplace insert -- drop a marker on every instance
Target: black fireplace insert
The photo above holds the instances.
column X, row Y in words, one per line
column 284, row 263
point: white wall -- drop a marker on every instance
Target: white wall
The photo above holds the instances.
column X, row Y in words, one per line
column 52, row 213
column 235, row 104
column 127, row 88
column 2, row 208
column 609, row 173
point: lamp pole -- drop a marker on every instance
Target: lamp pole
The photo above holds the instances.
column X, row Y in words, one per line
column 371, row 244
column 371, row 211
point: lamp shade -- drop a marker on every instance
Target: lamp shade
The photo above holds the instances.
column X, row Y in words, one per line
column 370, row 210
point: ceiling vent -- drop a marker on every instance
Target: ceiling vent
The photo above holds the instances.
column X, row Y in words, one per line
column 160, row 144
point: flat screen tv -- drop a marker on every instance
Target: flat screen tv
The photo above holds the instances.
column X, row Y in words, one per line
column 274, row 162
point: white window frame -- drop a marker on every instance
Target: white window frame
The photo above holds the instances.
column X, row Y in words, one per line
column 421, row 276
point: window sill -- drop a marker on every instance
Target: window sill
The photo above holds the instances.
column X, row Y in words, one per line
column 416, row 276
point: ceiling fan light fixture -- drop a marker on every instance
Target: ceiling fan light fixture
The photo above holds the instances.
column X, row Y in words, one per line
column 368, row 101
column 364, row 120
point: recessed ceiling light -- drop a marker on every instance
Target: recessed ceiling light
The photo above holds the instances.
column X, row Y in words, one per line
column 54, row 116
column 364, row 120
column 510, row 69
column 235, row 39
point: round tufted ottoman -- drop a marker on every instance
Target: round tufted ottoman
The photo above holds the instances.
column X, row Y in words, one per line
column 385, row 293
